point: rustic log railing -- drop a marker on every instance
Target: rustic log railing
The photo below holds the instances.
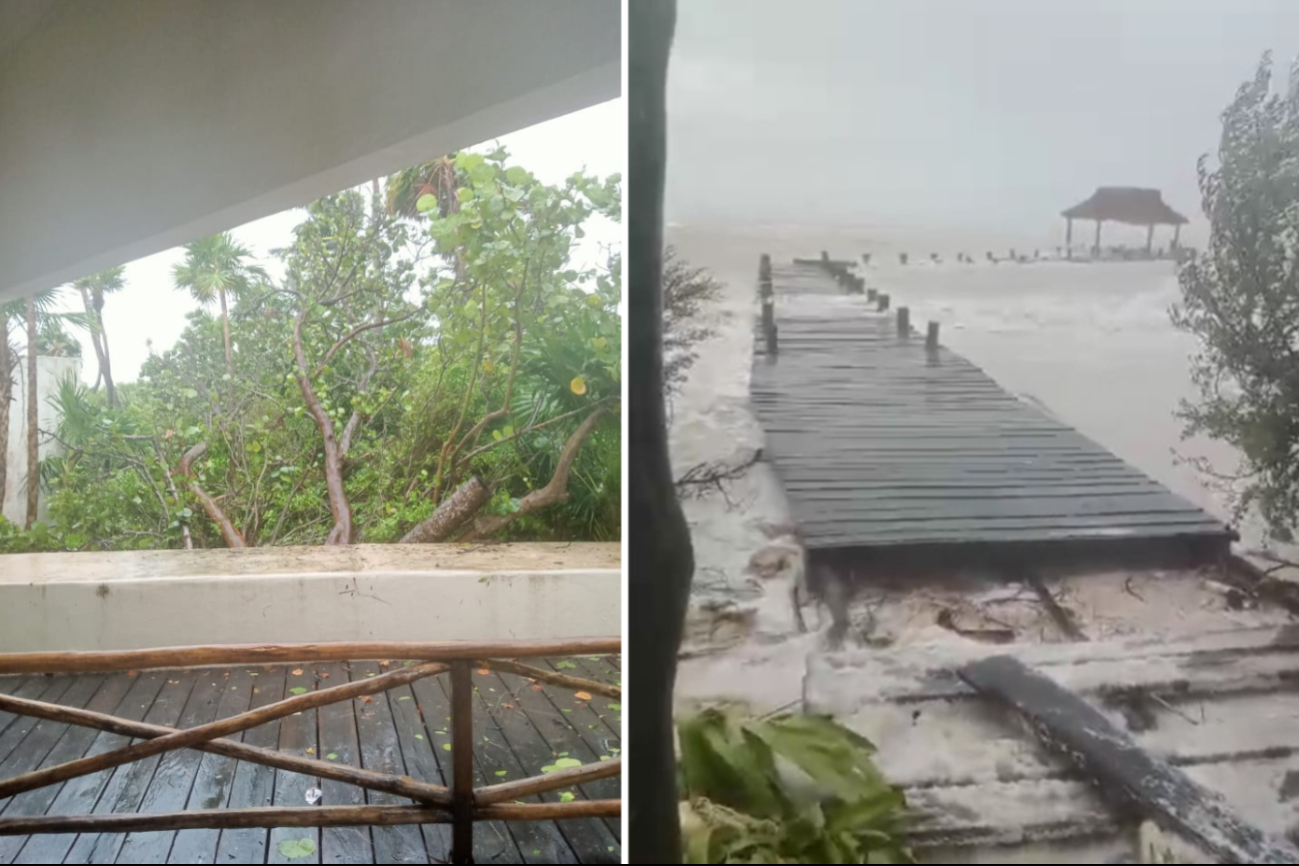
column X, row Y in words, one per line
column 460, row 804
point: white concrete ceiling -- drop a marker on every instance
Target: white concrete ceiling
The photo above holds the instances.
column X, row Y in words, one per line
column 131, row 126
column 20, row 18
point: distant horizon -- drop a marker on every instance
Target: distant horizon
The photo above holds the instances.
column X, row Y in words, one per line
column 991, row 117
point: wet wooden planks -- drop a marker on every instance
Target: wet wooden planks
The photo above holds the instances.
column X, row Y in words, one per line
column 1221, row 706
column 882, row 442
column 521, row 727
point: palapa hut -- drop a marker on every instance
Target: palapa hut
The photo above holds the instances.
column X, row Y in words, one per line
column 1123, row 204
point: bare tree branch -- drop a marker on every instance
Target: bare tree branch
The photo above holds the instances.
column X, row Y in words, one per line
column 233, row 537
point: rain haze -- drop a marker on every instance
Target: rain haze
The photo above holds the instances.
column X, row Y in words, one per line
column 995, row 114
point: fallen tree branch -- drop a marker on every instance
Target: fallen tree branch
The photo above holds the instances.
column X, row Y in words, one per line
column 233, row 537
column 555, row 491
column 701, row 478
column 451, row 513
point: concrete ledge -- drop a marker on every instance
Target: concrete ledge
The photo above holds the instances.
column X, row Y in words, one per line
column 132, row 600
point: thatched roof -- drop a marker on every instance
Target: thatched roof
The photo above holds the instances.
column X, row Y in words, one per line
column 1126, row 204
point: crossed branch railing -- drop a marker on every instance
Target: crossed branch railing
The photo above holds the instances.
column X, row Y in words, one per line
column 460, row 805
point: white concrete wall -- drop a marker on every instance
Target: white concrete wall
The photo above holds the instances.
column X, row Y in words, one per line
column 131, row 126
column 49, row 371
column 132, row 600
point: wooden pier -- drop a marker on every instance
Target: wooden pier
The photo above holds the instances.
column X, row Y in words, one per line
column 887, row 442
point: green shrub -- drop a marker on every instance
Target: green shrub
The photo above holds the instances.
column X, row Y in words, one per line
column 784, row 789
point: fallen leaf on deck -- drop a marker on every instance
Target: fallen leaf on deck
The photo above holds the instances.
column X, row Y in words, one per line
column 536, row 688
column 297, row 672
column 484, row 671
column 367, row 698
column 296, row 849
column 583, row 696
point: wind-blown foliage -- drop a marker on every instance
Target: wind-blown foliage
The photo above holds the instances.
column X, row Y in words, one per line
column 1240, row 299
column 784, row 789
column 400, row 356
column 689, row 295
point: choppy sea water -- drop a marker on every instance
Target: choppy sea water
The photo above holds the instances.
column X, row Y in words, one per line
column 1090, row 343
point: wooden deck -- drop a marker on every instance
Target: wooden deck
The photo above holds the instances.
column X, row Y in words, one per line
column 880, row 442
column 522, row 726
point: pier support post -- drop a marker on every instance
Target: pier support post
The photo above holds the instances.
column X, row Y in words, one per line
column 904, row 322
column 769, row 325
column 871, row 294
column 883, row 303
column 931, row 337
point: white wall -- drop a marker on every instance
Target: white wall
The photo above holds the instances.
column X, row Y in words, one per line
column 130, row 127
column 138, row 599
column 48, row 373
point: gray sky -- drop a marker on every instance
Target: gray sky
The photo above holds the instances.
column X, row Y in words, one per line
column 980, row 113
column 594, row 139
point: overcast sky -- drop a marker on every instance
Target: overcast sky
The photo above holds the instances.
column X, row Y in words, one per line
column 992, row 113
column 151, row 308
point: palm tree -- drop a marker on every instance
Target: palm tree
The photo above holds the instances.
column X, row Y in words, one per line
column 92, row 289
column 215, row 267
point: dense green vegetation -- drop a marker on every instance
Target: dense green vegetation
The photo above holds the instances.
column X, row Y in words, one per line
column 1240, row 300
column 432, row 366
column 788, row 788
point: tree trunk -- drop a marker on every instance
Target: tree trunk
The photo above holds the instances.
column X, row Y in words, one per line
column 105, row 361
column 6, row 400
column 451, row 513
column 99, row 340
column 230, row 357
column 225, row 327
column 233, row 537
column 33, row 441
column 341, row 532
column 661, row 562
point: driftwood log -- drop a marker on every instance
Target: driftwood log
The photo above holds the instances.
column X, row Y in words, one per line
column 1068, row 725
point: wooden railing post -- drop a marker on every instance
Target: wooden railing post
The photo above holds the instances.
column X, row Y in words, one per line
column 462, row 762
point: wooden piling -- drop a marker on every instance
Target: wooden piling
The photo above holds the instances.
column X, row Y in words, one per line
column 764, row 267
column 931, row 337
column 904, row 322
column 883, row 303
column 462, row 762
column 871, row 294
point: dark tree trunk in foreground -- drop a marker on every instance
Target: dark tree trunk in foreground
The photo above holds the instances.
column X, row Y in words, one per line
column 33, row 442
column 661, row 562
